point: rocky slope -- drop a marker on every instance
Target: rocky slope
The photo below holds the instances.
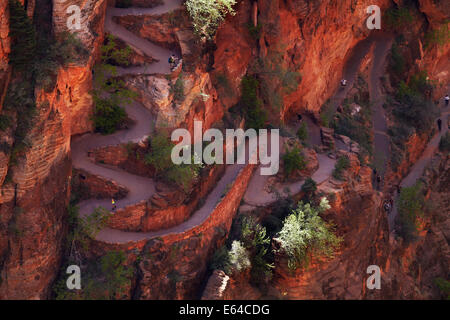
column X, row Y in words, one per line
column 4, row 50
column 33, row 204
column 293, row 38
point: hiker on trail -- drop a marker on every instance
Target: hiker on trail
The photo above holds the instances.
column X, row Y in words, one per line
column 439, row 123
column 299, row 117
column 446, row 99
column 172, row 60
column 378, row 181
column 113, row 202
column 321, row 134
column 387, row 206
column 399, row 189
column 343, row 83
column 339, row 109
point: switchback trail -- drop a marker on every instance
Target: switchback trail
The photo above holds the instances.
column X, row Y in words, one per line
column 417, row 169
column 256, row 194
column 140, row 188
column 148, row 48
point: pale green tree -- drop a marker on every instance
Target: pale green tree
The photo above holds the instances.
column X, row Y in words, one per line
column 239, row 256
column 208, row 14
column 305, row 233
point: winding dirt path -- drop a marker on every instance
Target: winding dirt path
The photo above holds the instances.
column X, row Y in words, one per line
column 257, row 195
column 148, row 48
column 382, row 45
column 140, row 188
column 417, row 169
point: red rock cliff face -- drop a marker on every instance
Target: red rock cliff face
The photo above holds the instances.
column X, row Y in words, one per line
column 355, row 209
column 435, row 58
column 33, row 205
column 312, row 38
column 4, row 50
column 79, row 82
column 174, row 266
column 412, row 269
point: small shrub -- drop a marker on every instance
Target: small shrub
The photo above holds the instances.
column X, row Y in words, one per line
column 108, row 116
column 161, row 149
column 398, row 17
column 110, row 93
column 174, row 276
column 305, row 234
column 415, row 109
column 254, row 238
column 178, row 89
column 117, row 275
column 357, row 127
column 221, row 260
column 255, row 32
column 410, row 206
column 302, row 132
column 293, row 160
column 5, row 122
column 254, row 114
column 23, row 37
column 309, row 187
column 183, row 175
column 439, row 36
column 239, row 257
column 326, row 116
column 225, row 84
column 208, row 14
column 342, row 164
column 444, row 287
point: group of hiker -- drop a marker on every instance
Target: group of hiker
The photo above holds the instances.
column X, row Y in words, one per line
column 388, row 204
column 377, row 178
column 173, row 61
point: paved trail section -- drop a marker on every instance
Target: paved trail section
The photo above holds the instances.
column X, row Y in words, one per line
column 148, row 48
column 140, row 188
column 381, row 139
column 351, row 69
column 257, row 195
column 417, row 169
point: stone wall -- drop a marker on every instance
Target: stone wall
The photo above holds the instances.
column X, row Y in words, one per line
column 86, row 186
column 157, row 213
column 173, row 266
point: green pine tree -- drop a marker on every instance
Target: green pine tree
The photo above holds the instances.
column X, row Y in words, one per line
column 23, row 36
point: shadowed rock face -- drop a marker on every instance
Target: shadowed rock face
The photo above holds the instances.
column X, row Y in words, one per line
column 4, row 39
column 437, row 11
column 33, row 206
column 4, row 50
